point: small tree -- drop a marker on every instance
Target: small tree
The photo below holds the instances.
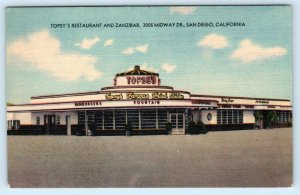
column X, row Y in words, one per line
column 272, row 118
column 258, row 115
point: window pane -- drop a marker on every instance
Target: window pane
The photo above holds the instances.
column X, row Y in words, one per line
column 173, row 121
column 108, row 119
column 81, row 117
column 148, row 119
column 162, row 118
column 133, row 118
column 240, row 112
column 120, row 119
column 99, row 120
column 230, row 117
column 38, row 120
column 224, row 116
column 58, row 120
column 219, row 118
column 235, row 117
column 180, row 121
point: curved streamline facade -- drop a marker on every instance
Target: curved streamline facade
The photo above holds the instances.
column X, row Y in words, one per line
column 138, row 98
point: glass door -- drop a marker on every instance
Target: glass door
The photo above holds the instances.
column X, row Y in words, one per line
column 178, row 122
column 173, row 121
column 49, row 122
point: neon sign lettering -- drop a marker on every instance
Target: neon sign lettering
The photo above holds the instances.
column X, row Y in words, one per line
column 262, row 101
column 227, row 100
column 87, row 103
column 114, row 97
column 137, row 96
column 141, row 80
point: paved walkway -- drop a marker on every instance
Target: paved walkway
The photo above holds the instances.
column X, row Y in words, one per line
column 257, row 158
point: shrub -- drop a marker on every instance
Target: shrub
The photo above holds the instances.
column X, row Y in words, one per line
column 198, row 128
column 169, row 128
column 128, row 129
column 191, row 127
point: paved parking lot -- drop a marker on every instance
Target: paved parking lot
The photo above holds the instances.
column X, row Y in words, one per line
column 254, row 158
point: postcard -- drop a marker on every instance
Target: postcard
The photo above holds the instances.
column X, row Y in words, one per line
column 149, row 96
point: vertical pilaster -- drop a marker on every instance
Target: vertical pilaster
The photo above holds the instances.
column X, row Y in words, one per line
column 86, row 122
column 156, row 118
column 114, row 120
column 140, row 120
column 102, row 119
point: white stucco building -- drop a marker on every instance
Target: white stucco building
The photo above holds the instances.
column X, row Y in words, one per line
column 137, row 97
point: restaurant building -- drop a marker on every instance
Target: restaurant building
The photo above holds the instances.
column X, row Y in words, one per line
column 137, row 97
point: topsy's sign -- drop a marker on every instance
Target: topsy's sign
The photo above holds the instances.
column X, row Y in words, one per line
column 142, row 80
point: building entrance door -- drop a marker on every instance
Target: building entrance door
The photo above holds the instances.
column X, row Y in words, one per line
column 178, row 123
column 49, row 123
column 68, row 124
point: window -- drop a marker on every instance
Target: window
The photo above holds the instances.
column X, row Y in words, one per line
column 58, row 120
column 219, row 116
column 133, row 118
column 240, row 116
column 81, row 117
column 162, row 115
column 38, row 121
column 13, row 124
column 108, row 119
column 209, row 116
column 120, row 118
column 9, row 124
column 148, row 119
column 99, row 120
column 229, row 116
column 117, row 119
column 224, row 116
column 284, row 116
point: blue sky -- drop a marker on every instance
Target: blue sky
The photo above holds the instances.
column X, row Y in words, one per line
column 253, row 61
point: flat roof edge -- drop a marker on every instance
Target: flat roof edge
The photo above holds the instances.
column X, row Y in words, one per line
column 238, row 97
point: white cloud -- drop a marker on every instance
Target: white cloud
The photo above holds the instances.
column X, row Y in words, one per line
column 182, row 10
column 168, row 67
column 108, row 42
column 148, row 68
column 128, row 51
column 214, row 41
column 88, row 43
column 248, row 52
column 142, row 48
column 43, row 51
